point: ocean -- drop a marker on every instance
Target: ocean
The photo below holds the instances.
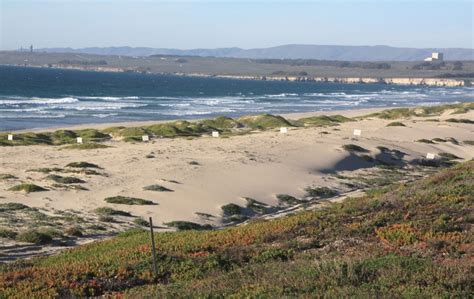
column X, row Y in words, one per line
column 42, row 97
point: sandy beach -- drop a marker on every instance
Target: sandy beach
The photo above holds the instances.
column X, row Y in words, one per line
column 206, row 173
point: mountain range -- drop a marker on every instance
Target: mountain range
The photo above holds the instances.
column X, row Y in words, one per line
column 296, row 51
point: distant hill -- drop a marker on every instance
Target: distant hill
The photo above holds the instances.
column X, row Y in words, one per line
column 321, row 52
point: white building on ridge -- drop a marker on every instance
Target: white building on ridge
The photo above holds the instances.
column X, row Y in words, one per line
column 435, row 56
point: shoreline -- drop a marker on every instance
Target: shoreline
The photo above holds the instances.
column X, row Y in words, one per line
column 402, row 81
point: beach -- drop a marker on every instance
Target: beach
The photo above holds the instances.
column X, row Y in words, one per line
column 203, row 174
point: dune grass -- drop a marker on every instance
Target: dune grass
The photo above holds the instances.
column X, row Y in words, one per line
column 25, row 187
column 157, row 187
column 412, row 240
column 354, row 148
column 85, row 146
column 126, row 200
column 396, row 124
column 104, row 211
column 35, row 237
column 7, row 176
column 187, row 225
column 82, row 165
column 65, row 180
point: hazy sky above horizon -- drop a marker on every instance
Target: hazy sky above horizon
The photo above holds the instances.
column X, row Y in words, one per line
column 226, row 23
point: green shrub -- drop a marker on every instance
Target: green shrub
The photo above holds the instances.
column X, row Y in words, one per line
column 322, row 192
column 141, row 222
column 396, row 124
column 231, row 209
column 354, row 148
column 27, row 188
column 186, row 225
column 111, row 212
column 74, row 231
column 287, row 199
column 86, row 146
column 157, row 187
column 35, row 237
column 12, row 206
column 425, row 141
column 126, row 200
column 82, row 165
column 6, row 176
column 8, row 234
column 460, row 120
column 65, row 180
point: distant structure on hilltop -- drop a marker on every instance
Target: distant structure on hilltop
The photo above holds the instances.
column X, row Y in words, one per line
column 435, row 56
column 31, row 49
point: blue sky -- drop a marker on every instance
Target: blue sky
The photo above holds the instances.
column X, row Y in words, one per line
column 246, row 24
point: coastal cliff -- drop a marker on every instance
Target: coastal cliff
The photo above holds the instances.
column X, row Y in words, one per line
column 446, row 82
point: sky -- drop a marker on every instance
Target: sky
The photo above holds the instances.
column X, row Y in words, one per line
column 246, row 24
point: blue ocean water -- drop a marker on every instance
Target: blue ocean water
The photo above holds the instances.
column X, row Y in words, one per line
column 40, row 97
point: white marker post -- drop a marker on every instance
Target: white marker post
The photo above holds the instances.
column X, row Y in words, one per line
column 357, row 132
column 145, row 138
column 79, row 139
column 283, row 130
column 215, row 134
column 430, row 156
column 10, row 137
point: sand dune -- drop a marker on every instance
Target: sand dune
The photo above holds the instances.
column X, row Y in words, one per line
column 258, row 165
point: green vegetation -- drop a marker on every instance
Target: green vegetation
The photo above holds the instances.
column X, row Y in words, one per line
column 157, row 187
column 396, row 124
column 6, row 176
column 321, row 192
column 256, row 206
column 126, row 200
column 8, row 234
column 469, row 142
column 12, row 206
column 287, row 199
column 141, row 222
column 27, row 188
column 231, row 209
column 82, row 165
column 412, row 240
column 85, row 146
column 354, row 148
column 460, row 120
column 104, row 211
column 59, row 137
column 323, row 120
column 264, row 121
column 425, row 141
column 74, row 231
column 225, row 125
column 420, row 111
column 186, row 225
column 35, row 237
column 65, row 180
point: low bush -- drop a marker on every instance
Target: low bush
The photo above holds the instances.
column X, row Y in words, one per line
column 27, row 188
column 126, row 200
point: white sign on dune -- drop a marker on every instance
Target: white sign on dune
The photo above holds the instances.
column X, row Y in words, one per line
column 10, row 137
column 357, row 132
column 145, row 138
column 430, row 156
column 283, row 130
column 215, row 134
column 79, row 139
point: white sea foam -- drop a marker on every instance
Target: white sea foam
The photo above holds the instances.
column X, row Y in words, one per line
column 36, row 101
